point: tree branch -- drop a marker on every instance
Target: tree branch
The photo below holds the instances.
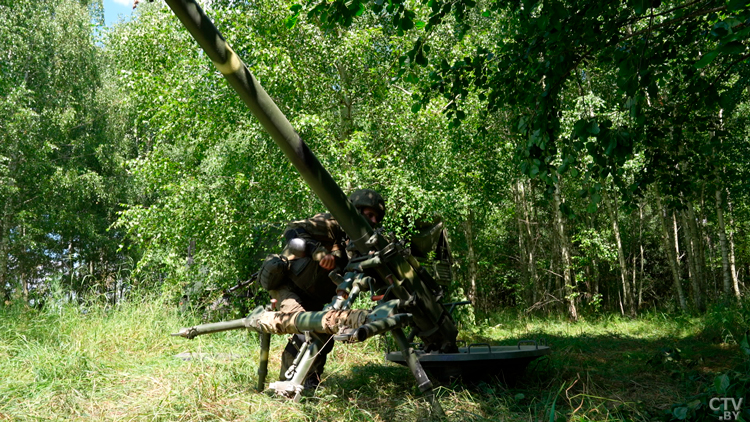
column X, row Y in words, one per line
column 731, row 65
column 649, row 29
column 675, row 20
column 677, row 8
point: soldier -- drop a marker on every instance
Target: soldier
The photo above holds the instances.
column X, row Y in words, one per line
column 298, row 277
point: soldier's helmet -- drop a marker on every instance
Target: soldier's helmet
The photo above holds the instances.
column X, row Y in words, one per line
column 362, row 198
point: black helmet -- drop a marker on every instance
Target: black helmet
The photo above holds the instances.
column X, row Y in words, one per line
column 361, row 198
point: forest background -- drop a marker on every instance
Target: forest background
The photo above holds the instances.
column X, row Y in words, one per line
column 587, row 158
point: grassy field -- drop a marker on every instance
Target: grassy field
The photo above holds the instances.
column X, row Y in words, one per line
column 121, row 364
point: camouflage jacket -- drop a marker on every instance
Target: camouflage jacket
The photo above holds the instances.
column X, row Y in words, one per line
column 321, row 232
column 322, row 228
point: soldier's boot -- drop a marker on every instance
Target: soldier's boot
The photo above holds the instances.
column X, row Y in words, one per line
column 316, row 370
column 286, row 362
column 312, row 381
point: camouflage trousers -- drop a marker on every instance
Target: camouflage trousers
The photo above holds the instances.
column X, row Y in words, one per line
column 289, row 301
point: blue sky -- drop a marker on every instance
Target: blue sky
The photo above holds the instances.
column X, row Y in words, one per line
column 114, row 9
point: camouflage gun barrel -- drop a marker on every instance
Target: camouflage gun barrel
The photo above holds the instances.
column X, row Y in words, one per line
column 214, row 327
column 434, row 325
column 269, row 322
column 271, row 118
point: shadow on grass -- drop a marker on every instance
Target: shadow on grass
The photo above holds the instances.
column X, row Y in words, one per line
column 623, row 377
column 384, row 390
column 587, row 377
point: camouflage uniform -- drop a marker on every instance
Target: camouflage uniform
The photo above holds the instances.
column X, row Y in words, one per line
column 299, row 283
column 307, row 286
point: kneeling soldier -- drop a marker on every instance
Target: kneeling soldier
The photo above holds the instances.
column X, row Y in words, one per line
column 298, row 277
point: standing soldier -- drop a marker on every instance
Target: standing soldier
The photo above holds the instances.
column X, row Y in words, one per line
column 298, row 277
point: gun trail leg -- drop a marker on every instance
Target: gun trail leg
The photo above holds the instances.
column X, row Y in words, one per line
column 304, row 365
column 295, row 376
column 265, row 345
column 423, row 381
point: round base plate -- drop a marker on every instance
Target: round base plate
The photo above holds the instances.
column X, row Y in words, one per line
column 476, row 361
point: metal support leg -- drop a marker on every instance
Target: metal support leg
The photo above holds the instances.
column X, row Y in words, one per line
column 265, row 345
column 295, row 376
column 304, row 366
column 423, row 381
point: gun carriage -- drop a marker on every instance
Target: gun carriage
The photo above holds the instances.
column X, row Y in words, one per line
column 406, row 293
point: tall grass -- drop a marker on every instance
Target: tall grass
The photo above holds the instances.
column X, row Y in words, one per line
column 106, row 364
column 120, row 363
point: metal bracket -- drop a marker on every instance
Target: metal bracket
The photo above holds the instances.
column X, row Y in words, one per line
column 372, row 241
column 487, row 345
column 527, row 341
column 287, row 389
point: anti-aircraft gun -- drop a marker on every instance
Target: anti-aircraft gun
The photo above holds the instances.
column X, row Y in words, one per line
column 407, row 295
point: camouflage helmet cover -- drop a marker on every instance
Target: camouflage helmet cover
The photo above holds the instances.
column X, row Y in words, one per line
column 361, row 198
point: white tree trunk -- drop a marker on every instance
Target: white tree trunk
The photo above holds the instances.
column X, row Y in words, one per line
column 4, row 247
column 673, row 251
column 627, row 296
column 692, row 248
column 471, row 255
column 723, row 245
column 527, row 237
column 565, row 258
column 640, row 246
column 732, row 266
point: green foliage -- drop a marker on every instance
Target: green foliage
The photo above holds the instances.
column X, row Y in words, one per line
column 122, row 148
column 206, row 176
column 60, row 175
column 594, row 245
column 213, row 190
column 727, row 322
column 707, row 406
column 548, row 54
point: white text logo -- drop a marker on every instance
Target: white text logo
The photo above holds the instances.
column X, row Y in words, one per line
column 729, row 415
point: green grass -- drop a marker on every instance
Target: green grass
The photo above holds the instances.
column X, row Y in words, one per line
column 120, row 364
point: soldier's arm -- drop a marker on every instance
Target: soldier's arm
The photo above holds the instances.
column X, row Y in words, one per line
column 328, row 262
